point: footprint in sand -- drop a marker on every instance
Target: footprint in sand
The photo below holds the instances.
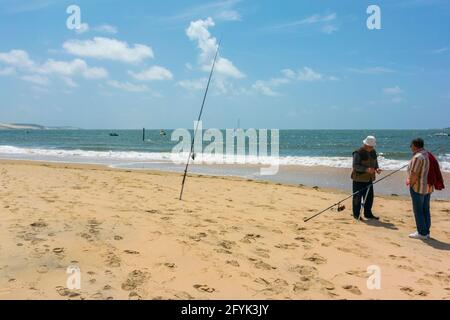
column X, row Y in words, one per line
column 225, row 251
column 134, row 296
column 407, row 268
column 135, row 279
column 250, row 237
column 332, row 235
column 424, row 282
column 357, row 273
column 440, row 276
column 227, row 244
column 307, row 283
column 204, row 288
column 94, row 226
column 304, row 270
column 353, row 289
column 58, row 251
column 170, row 265
column 39, row 224
column 394, row 257
column 113, row 260
column 407, row 290
column 42, row 269
column 198, row 237
column 131, row 252
column 97, row 296
column 264, row 266
column 315, row 258
column 263, row 253
column 64, row 292
column 273, row 288
column 233, row 263
column 286, row 246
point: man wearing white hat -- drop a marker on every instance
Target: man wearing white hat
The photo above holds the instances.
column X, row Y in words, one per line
column 365, row 168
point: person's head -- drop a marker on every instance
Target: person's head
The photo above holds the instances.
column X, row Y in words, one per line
column 369, row 143
column 417, row 144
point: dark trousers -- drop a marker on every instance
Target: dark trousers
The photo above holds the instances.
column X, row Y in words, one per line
column 357, row 198
column 421, row 208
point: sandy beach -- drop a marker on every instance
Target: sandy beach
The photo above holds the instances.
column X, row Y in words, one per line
column 229, row 238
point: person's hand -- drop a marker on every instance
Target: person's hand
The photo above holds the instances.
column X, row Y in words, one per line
column 408, row 182
column 371, row 170
column 379, row 171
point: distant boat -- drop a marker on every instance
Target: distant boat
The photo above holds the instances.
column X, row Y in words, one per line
column 441, row 134
column 113, row 134
column 162, row 133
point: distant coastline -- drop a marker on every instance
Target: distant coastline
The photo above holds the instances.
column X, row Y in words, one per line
column 30, row 126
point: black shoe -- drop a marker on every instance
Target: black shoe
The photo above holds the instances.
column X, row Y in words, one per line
column 371, row 217
column 356, row 217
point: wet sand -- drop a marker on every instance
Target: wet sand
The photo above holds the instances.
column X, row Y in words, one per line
column 230, row 238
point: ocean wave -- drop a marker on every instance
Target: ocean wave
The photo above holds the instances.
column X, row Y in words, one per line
column 134, row 156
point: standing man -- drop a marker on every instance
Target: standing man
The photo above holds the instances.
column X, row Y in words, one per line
column 365, row 167
column 419, row 189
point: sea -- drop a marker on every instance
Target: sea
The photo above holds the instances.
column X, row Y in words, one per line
column 303, row 154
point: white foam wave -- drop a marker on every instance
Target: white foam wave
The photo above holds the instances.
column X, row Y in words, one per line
column 133, row 156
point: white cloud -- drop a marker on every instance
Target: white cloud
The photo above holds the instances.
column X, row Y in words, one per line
column 152, row 73
column 264, row 88
column 222, row 10
column 441, row 50
column 329, row 29
column 110, row 49
column 225, row 67
column 16, row 58
column 314, row 19
column 198, row 31
column 219, row 86
column 396, row 94
column 127, row 86
column 69, row 82
column 106, row 28
column 7, row 71
column 72, row 68
column 317, row 18
column 398, row 100
column 372, row 70
column 393, row 90
column 229, row 15
column 193, row 84
column 36, row 79
column 306, row 75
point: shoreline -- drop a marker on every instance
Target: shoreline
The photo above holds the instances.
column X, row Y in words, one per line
column 323, row 177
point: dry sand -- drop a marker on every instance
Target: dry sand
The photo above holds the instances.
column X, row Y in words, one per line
column 228, row 239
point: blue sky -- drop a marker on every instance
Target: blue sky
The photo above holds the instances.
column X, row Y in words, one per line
column 308, row 64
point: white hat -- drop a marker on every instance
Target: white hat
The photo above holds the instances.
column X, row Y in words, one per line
column 370, row 141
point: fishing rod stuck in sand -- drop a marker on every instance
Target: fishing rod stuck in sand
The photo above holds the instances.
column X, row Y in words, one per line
column 191, row 152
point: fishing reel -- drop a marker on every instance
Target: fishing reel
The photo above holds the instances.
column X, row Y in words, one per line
column 340, row 207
